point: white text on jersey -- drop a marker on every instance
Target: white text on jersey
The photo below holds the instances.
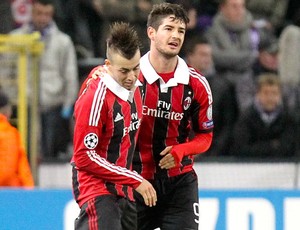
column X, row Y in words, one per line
column 162, row 114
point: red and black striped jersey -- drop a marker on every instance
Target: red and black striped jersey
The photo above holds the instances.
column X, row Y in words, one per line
column 170, row 110
column 107, row 118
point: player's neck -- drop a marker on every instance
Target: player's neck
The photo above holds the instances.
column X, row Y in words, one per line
column 162, row 64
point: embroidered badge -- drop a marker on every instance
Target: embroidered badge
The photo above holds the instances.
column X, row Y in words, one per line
column 91, row 140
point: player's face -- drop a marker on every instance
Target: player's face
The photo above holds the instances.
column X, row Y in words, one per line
column 201, row 58
column 270, row 97
column 234, row 11
column 124, row 71
column 169, row 36
column 42, row 15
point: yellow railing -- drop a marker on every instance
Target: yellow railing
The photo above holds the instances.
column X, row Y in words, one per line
column 27, row 48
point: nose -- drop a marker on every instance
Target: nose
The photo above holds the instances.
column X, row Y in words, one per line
column 131, row 75
column 175, row 34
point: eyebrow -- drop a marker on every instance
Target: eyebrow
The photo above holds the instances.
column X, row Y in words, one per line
column 167, row 25
column 126, row 69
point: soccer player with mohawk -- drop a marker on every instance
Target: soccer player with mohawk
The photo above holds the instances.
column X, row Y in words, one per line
column 107, row 114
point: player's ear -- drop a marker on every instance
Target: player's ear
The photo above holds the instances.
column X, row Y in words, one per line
column 107, row 62
column 151, row 32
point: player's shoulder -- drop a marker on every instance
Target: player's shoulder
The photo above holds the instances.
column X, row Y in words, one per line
column 97, row 72
column 196, row 77
column 91, row 83
column 96, row 75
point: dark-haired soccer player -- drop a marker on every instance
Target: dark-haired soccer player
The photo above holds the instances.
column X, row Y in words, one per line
column 175, row 98
column 108, row 113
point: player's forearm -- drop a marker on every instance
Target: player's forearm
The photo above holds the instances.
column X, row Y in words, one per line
column 199, row 144
column 97, row 166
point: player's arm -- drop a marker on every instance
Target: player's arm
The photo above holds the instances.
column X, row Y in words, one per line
column 202, row 125
column 173, row 154
column 148, row 193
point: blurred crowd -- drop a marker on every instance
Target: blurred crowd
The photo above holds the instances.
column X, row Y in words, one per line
column 247, row 49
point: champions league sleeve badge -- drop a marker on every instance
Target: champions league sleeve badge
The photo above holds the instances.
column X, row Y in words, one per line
column 91, row 140
column 209, row 113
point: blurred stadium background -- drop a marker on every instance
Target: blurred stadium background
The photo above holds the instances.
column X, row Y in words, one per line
column 234, row 195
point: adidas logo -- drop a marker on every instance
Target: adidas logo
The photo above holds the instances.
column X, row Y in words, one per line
column 118, row 117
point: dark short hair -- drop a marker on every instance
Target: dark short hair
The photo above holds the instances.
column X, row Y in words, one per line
column 269, row 79
column 123, row 38
column 191, row 43
column 269, row 44
column 161, row 11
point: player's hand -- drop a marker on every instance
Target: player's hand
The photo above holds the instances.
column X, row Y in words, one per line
column 99, row 72
column 148, row 193
column 168, row 161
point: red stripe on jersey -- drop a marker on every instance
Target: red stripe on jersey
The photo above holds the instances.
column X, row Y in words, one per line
column 97, row 104
column 92, row 215
column 204, row 82
column 203, row 96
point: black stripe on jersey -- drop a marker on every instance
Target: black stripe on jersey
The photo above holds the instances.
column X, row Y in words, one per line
column 75, row 181
column 195, row 110
column 183, row 131
column 113, row 148
column 125, row 190
column 111, row 187
column 137, row 162
column 161, row 125
column 132, row 136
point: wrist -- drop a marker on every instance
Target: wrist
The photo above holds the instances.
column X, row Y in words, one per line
column 178, row 153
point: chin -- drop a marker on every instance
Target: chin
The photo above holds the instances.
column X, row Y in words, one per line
column 171, row 54
column 128, row 87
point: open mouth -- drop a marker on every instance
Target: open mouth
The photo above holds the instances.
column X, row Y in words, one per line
column 173, row 44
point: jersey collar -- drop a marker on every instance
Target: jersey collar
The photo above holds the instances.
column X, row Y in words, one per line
column 181, row 75
column 118, row 90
